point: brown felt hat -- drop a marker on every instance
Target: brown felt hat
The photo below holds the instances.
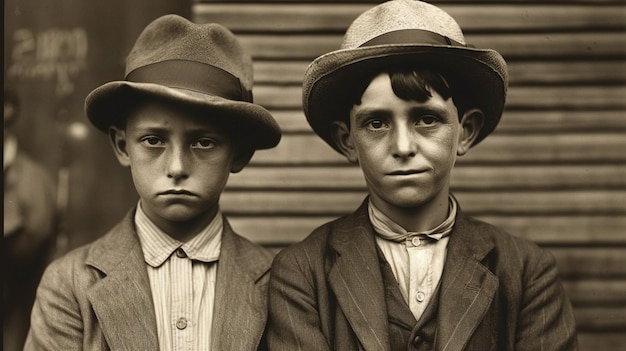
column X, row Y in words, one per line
column 200, row 65
column 402, row 33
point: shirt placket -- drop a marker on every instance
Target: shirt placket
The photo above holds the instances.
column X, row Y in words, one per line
column 181, row 314
column 420, row 273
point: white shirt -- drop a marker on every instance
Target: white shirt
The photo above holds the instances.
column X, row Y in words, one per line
column 182, row 279
column 417, row 264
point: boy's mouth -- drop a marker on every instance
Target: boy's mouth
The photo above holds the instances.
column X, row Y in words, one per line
column 407, row 172
column 177, row 192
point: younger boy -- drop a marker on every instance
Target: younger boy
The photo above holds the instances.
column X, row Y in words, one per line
column 408, row 270
column 172, row 275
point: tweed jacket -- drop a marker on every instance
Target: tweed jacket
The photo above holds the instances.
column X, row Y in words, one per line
column 497, row 292
column 98, row 297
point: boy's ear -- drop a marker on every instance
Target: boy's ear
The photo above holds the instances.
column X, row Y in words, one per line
column 117, row 137
column 471, row 122
column 242, row 158
column 340, row 133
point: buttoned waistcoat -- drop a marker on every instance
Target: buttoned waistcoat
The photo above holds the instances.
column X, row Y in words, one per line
column 497, row 292
column 98, row 297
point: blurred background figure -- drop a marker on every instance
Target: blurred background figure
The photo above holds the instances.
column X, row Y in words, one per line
column 29, row 229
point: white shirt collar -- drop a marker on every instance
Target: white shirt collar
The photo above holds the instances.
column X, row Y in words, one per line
column 157, row 246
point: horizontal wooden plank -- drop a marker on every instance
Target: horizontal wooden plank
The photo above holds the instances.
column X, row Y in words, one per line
column 549, row 229
column 518, row 97
column 601, row 319
column 560, row 121
column 559, row 148
column 609, row 202
column 567, row 72
column 554, row 230
column 511, row 46
column 596, row 292
column 312, row 17
column 520, row 72
column 512, row 122
column 589, row 341
column 590, row 263
column 476, row 178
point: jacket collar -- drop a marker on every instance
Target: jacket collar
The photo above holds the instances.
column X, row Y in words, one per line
column 357, row 281
column 467, row 285
column 241, row 303
column 122, row 300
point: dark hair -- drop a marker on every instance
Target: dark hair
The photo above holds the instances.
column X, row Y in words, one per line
column 416, row 85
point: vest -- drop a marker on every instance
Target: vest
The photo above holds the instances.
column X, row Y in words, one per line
column 405, row 333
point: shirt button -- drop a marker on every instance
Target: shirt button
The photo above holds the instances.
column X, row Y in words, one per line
column 420, row 296
column 415, row 241
column 181, row 253
column 181, row 323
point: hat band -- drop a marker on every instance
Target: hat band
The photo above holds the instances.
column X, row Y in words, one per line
column 194, row 76
column 412, row 36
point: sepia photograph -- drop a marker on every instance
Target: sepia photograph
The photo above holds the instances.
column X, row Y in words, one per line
column 314, row 175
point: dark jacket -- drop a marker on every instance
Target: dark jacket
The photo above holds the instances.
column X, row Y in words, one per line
column 497, row 292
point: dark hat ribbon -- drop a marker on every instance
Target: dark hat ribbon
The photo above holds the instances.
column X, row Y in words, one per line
column 191, row 75
column 413, row 36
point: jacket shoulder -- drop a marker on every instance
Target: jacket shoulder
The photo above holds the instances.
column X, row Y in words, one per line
column 313, row 249
column 504, row 240
column 512, row 255
column 75, row 264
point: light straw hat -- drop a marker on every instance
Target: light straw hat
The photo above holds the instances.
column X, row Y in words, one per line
column 400, row 33
column 199, row 65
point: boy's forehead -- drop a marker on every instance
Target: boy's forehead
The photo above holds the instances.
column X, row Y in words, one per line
column 174, row 116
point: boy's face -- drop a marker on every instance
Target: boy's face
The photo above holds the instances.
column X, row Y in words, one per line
column 406, row 149
column 179, row 161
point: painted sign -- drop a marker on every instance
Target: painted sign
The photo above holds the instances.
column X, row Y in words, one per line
column 52, row 54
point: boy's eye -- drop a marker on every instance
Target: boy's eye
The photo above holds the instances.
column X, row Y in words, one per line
column 203, row 143
column 151, row 141
column 428, row 120
column 376, row 124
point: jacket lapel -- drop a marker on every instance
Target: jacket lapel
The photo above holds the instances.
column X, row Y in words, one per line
column 356, row 280
column 122, row 300
column 467, row 286
column 240, row 311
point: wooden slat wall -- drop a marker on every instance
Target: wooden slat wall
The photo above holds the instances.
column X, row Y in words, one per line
column 554, row 171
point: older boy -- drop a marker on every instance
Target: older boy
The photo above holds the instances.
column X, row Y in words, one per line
column 172, row 275
column 408, row 270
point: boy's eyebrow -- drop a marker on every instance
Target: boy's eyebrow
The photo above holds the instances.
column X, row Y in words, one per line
column 151, row 129
column 432, row 109
column 193, row 131
column 375, row 112
column 370, row 112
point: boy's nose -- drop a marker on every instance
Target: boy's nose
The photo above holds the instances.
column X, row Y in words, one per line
column 177, row 165
column 403, row 143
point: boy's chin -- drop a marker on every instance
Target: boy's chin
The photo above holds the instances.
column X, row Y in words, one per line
column 409, row 200
column 180, row 213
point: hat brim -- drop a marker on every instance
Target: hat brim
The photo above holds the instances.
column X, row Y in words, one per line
column 329, row 79
column 108, row 105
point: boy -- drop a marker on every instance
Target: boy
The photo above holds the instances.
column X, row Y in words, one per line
column 172, row 275
column 408, row 270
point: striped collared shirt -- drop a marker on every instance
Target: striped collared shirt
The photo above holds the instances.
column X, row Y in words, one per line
column 182, row 277
column 417, row 264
